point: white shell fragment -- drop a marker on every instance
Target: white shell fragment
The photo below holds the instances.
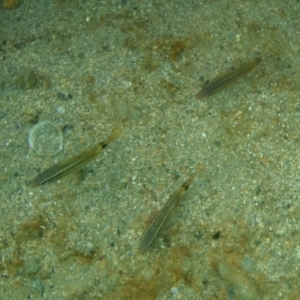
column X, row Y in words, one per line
column 45, row 139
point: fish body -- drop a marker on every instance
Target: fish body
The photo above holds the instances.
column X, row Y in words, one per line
column 163, row 215
column 225, row 80
column 74, row 163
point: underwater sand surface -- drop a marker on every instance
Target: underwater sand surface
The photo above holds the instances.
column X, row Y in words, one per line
column 90, row 66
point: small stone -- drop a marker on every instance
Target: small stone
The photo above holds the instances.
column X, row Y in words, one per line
column 31, row 266
column 174, row 291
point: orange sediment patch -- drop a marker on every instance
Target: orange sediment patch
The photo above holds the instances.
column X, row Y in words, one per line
column 10, row 4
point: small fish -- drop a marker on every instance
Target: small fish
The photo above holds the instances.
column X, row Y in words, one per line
column 163, row 215
column 74, row 163
column 225, row 80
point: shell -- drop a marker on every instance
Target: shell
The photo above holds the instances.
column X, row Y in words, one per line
column 45, row 139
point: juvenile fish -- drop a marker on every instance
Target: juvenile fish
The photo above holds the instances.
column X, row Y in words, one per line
column 163, row 215
column 225, row 80
column 74, row 163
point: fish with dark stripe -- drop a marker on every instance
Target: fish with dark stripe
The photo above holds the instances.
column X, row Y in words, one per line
column 74, row 163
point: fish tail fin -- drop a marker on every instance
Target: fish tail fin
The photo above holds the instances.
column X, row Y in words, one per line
column 114, row 135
